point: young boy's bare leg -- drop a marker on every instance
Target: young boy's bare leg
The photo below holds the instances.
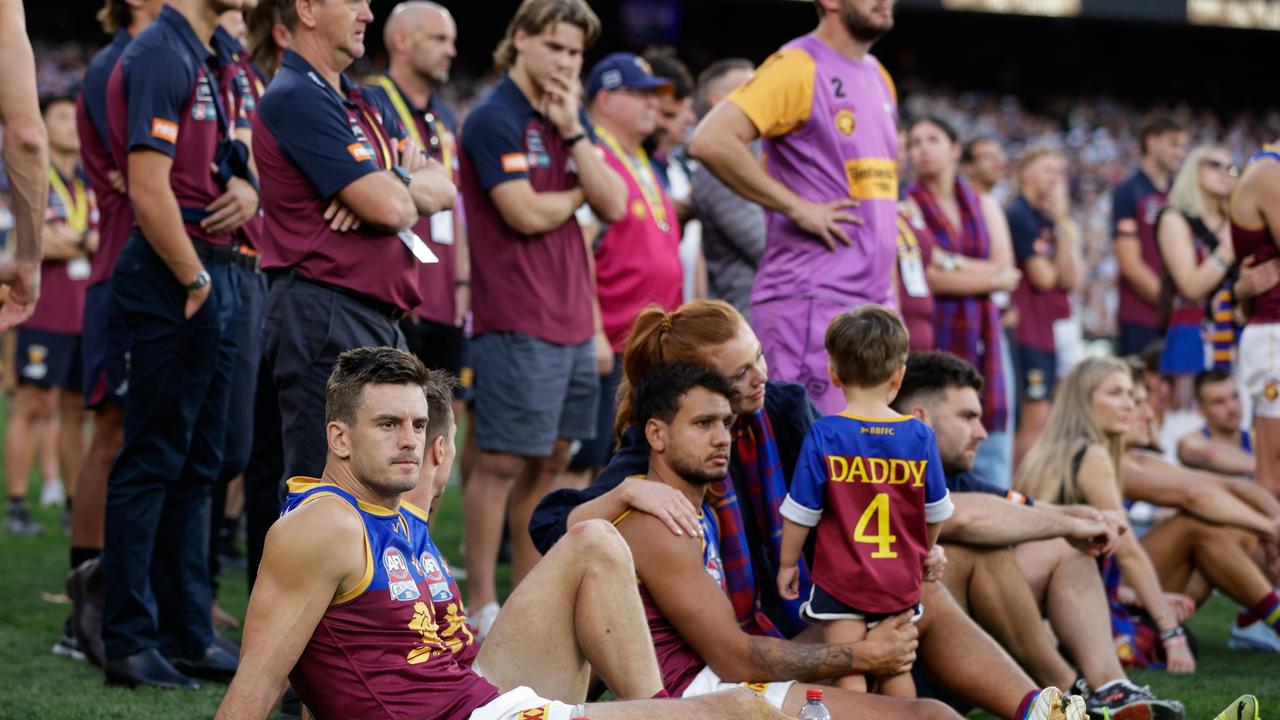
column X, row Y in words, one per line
column 846, row 631
column 900, row 685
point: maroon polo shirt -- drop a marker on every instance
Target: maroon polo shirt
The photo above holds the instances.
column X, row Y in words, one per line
column 115, row 212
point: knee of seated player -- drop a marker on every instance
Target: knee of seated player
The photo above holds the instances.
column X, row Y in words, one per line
column 596, row 543
column 736, row 704
column 933, row 710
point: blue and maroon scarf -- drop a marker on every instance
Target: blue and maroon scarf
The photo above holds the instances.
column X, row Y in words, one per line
column 766, row 485
column 968, row 327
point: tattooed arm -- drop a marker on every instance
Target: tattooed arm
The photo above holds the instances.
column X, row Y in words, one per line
column 671, row 568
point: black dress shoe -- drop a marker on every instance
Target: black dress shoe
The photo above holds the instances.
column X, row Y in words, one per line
column 147, row 668
column 215, row 664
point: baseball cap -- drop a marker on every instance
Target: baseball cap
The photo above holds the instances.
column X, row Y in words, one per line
column 623, row 69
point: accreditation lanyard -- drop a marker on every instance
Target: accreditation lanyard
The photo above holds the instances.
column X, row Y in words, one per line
column 375, row 127
column 75, row 201
column 406, row 115
column 643, row 175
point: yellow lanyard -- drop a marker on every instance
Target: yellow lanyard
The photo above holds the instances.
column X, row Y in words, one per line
column 76, row 208
column 407, row 119
column 376, row 129
column 643, row 175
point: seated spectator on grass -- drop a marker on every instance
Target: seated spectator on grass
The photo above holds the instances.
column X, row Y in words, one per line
column 1221, row 446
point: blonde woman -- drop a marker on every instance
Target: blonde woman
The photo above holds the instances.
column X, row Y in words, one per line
column 1076, row 460
column 1194, row 237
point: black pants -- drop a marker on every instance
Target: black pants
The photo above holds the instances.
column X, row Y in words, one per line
column 305, row 328
column 156, row 590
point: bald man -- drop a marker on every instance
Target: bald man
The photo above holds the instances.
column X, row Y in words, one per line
column 419, row 37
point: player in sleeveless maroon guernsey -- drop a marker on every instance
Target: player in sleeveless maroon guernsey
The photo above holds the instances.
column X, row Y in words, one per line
column 1255, row 217
column 344, row 609
column 685, row 413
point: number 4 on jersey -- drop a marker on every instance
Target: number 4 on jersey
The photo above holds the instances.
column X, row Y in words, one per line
column 882, row 539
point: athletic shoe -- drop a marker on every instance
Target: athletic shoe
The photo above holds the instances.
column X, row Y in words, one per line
column 1245, row 707
column 19, row 522
column 1051, row 704
column 1122, row 700
column 482, row 619
column 1257, row 635
column 53, row 494
column 67, row 645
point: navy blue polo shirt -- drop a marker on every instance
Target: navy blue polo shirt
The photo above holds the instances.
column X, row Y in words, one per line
column 115, row 212
column 537, row 285
column 309, row 142
column 1034, row 236
column 163, row 96
column 968, row 482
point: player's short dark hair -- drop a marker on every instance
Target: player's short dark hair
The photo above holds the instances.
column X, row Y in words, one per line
column 115, row 15
column 1155, row 127
column 535, row 16
column 867, row 345
column 712, row 73
column 1205, row 377
column 938, row 122
column 657, row 395
column 932, row 373
column 966, row 152
column 667, row 65
column 366, row 366
column 51, row 99
column 440, row 387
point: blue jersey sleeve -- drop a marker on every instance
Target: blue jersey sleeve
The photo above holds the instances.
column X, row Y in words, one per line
column 1024, row 230
column 158, row 82
column 493, row 141
column 1124, row 210
column 937, row 499
column 315, row 135
column 804, row 503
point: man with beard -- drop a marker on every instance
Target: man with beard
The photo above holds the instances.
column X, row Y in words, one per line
column 828, row 113
column 1220, row 446
column 685, row 414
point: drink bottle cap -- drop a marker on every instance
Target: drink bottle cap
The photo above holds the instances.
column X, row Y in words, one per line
column 814, row 694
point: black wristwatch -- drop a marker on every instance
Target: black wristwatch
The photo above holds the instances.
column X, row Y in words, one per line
column 572, row 140
column 201, row 280
column 405, row 176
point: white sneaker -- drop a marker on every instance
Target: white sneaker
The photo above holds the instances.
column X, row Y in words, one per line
column 482, row 620
column 53, row 493
column 1051, row 704
column 1257, row 635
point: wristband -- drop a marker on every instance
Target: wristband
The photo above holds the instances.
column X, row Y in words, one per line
column 1173, row 633
column 574, row 139
column 1222, row 264
column 461, row 283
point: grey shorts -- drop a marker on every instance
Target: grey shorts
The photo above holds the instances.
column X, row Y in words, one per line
column 530, row 392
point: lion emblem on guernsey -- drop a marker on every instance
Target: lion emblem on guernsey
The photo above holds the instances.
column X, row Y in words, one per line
column 846, row 122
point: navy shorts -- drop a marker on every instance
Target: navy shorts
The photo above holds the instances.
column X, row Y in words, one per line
column 438, row 346
column 104, row 348
column 821, row 607
column 530, row 392
column 1037, row 373
column 48, row 359
column 595, row 453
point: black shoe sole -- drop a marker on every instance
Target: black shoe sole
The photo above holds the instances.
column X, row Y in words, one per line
column 131, row 683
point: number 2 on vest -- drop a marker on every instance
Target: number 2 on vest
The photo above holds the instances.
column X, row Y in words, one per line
column 882, row 539
column 837, row 86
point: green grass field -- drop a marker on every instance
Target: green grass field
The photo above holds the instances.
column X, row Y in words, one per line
column 36, row 684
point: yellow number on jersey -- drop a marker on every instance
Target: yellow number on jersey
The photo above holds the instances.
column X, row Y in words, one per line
column 879, row 509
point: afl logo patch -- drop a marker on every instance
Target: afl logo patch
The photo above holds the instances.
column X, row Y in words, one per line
column 431, row 568
column 400, row 583
column 846, row 122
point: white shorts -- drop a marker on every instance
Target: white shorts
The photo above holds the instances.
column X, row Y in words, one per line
column 1259, row 358
column 524, row 704
column 707, row 682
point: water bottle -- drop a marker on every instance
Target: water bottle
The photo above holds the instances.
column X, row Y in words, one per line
column 814, row 709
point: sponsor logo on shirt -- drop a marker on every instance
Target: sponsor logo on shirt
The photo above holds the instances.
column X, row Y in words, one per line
column 400, row 583
column 515, row 162
column 846, row 122
column 872, row 178
column 539, row 713
column 360, row 151
column 203, row 107
column 166, row 130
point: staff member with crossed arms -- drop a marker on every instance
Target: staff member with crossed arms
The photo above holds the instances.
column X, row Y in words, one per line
column 341, row 193
column 419, row 37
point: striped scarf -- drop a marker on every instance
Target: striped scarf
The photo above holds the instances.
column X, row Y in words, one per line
column 766, row 484
column 968, row 327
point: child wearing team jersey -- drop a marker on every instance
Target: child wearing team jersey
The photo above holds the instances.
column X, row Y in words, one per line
column 872, row 483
